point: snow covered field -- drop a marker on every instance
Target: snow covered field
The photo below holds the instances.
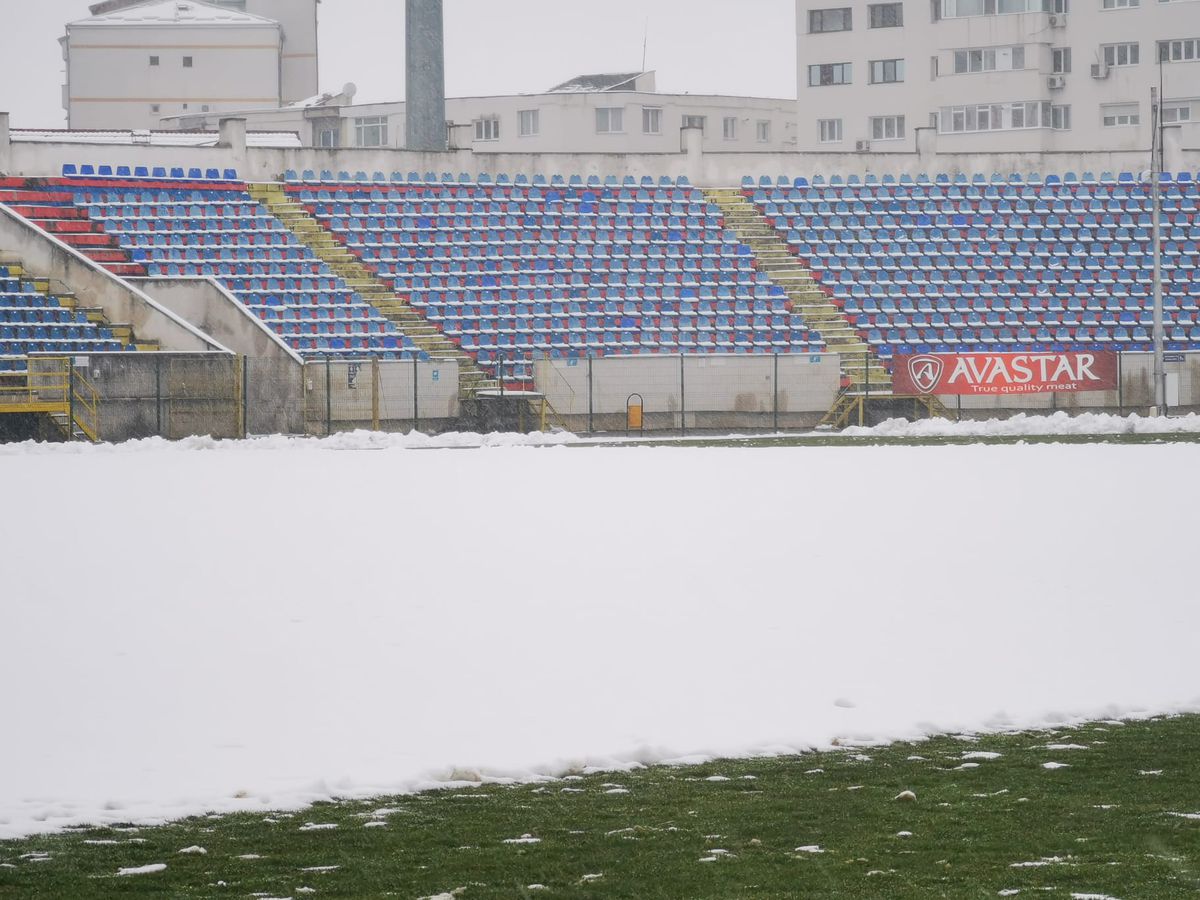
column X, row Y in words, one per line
column 279, row 622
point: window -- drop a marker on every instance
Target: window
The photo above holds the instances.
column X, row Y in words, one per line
column 529, row 122
column 887, row 71
column 1176, row 112
column 957, row 9
column 763, row 131
column 487, row 128
column 887, row 128
column 729, row 128
column 831, row 73
column 989, row 59
column 1120, row 115
column 1060, row 60
column 1060, row 117
column 1179, row 51
column 822, row 20
column 154, row 60
column 371, row 131
column 610, row 120
column 1120, row 54
column 830, row 130
column 885, row 15
column 1121, row 4
column 155, row 108
column 327, row 137
column 695, row 122
column 995, row 116
column 651, row 120
column 187, row 62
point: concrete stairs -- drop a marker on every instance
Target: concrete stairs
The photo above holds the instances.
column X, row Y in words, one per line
column 809, row 302
column 367, row 284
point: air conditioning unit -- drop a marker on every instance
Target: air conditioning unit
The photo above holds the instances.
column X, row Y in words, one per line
column 1058, row 20
column 862, row 146
column 1099, row 70
column 1056, row 82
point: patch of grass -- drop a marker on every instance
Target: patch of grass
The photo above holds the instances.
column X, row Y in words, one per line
column 980, row 825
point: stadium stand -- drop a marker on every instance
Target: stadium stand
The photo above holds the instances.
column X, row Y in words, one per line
column 957, row 264
column 33, row 320
column 197, row 224
column 515, row 270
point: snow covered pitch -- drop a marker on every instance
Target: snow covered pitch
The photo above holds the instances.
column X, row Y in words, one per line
column 253, row 626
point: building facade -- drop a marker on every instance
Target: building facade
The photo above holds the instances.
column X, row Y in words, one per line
column 592, row 114
column 995, row 75
column 133, row 63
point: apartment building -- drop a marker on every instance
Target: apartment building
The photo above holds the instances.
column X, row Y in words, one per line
column 995, row 75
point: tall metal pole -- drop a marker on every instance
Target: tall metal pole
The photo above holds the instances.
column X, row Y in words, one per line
column 1156, row 200
column 425, row 78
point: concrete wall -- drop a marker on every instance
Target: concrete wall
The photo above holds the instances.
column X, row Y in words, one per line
column 716, row 391
column 47, row 257
column 342, row 395
column 704, row 169
column 206, row 304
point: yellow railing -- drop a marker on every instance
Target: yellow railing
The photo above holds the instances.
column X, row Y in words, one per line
column 52, row 387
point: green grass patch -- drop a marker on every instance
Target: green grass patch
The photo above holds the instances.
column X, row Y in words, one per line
column 1119, row 819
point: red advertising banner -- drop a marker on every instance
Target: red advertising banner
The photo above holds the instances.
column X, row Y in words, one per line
column 1004, row 373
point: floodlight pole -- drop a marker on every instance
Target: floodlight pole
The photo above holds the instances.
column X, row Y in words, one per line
column 1156, row 200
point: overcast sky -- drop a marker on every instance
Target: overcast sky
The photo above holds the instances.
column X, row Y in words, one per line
column 518, row 46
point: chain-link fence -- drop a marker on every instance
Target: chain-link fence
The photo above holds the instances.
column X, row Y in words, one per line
column 176, row 395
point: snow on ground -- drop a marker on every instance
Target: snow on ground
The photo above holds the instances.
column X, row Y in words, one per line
column 285, row 621
column 1023, row 425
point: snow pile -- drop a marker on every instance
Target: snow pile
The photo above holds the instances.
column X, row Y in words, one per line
column 1022, row 425
column 351, row 440
column 249, row 630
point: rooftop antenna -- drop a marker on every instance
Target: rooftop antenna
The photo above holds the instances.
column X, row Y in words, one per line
column 645, row 42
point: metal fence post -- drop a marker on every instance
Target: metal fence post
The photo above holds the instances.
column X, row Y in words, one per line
column 1121, row 383
column 775, row 395
column 682, row 397
column 328, row 398
column 158, row 400
column 70, row 398
column 591, row 398
column 416, row 395
column 245, row 397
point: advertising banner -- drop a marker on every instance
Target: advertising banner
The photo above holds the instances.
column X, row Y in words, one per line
column 1004, row 373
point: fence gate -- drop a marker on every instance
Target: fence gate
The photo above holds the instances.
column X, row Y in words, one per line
column 202, row 398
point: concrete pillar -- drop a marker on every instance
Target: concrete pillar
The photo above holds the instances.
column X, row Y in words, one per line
column 1173, row 153
column 5, row 145
column 691, row 142
column 425, row 76
column 233, row 138
column 926, row 148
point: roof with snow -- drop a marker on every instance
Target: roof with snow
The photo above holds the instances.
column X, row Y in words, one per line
column 175, row 12
column 152, row 138
column 613, row 81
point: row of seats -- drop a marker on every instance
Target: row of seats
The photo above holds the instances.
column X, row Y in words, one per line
column 994, row 272
column 34, row 322
column 1068, row 179
column 86, row 170
column 646, row 246
column 446, row 179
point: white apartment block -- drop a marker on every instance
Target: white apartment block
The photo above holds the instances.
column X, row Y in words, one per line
column 133, row 63
column 612, row 113
column 995, row 75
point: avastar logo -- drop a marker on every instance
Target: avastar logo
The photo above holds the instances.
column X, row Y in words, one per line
column 926, row 372
column 1004, row 373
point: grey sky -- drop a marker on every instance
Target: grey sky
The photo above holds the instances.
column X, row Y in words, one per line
column 518, row 46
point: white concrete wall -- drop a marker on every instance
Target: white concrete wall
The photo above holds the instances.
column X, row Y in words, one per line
column 111, row 84
column 920, row 40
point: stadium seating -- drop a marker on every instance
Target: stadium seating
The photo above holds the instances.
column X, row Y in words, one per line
column 516, row 270
column 957, row 264
column 215, row 229
column 32, row 321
